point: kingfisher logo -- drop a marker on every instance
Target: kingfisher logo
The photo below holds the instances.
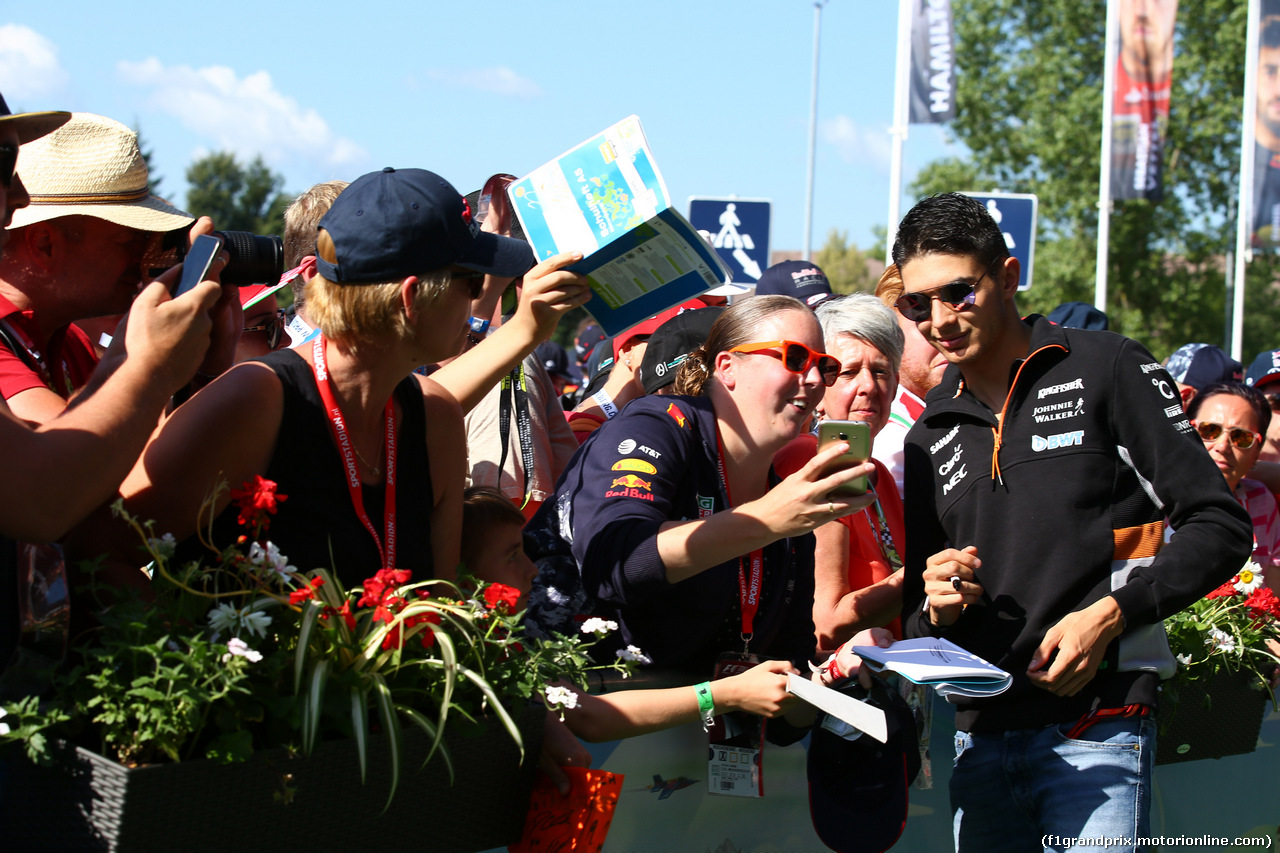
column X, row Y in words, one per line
column 1054, row 442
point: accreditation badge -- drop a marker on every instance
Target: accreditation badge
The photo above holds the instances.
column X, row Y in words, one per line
column 735, row 766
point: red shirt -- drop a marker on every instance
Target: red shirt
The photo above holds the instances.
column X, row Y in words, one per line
column 65, row 364
column 868, row 563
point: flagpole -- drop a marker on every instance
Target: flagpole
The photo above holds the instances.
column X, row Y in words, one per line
column 813, row 131
column 900, row 124
column 1244, row 206
column 1104, row 179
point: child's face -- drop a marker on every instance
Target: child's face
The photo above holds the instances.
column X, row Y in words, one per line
column 501, row 559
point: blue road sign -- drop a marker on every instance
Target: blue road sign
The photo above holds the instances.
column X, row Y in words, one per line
column 738, row 229
column 1015, row 213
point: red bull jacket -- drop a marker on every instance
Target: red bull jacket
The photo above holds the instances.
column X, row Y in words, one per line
column 1066, row 498
column 596, row 545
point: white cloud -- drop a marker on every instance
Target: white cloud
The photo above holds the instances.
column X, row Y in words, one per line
column 245, row 115
column 857, row 144
column 29, row 66
column 499, row 80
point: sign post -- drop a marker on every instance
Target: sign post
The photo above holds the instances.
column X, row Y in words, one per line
column 738, row 229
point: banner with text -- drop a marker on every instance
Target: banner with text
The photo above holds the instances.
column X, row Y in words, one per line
column 933, row 81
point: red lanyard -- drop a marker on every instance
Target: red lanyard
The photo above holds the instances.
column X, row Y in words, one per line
column 339, row 425
column 748, row 589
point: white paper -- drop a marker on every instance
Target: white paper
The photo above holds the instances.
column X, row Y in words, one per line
column 861, row 715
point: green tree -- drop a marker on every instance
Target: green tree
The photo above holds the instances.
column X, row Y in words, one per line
column 1030, row 101
column 846, row 265
column 153, row 179
column 238, row 198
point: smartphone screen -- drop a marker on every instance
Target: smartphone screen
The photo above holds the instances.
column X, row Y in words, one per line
column 858, row 436
column 195, row 267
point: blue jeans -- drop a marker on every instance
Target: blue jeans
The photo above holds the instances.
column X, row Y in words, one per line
column 1037, row 789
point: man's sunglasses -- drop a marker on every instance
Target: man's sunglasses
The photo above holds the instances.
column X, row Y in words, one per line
column 273, row 327
column 918, row 306
column 1238, row 436
column 795, row 357
column 472, row 279
column 8, row 164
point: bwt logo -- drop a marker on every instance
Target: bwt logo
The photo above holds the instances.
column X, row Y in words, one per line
column 1053, row 442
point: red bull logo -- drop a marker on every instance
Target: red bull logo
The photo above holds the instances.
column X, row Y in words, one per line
column 632, row 481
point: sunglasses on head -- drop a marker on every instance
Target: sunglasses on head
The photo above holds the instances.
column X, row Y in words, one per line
column 1238, row 436
column 918, row 306
column 8, row 164
column 274, row 328
column 795, row 357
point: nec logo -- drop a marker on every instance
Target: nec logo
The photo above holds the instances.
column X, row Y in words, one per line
column 1053, row 442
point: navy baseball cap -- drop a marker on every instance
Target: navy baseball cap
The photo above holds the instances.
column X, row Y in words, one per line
column 1199, row 365
column 401, row 222
column 804, row 280
column 1078, row 315
column 858, row 786
column 1264, row 369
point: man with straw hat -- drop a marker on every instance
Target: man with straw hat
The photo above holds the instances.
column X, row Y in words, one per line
column 80, row 249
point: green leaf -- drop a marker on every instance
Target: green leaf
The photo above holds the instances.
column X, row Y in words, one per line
column 360, row 727
column 387, row 712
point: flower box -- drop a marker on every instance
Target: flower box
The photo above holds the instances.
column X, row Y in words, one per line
column 275, row 801
column 1209, row 718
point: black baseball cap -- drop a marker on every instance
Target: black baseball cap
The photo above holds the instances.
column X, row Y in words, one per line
column 804, row 280
column 671, row 342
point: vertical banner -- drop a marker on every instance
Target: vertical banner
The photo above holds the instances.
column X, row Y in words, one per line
column 1264, row 132
column 933, row 81
column 1140, row 115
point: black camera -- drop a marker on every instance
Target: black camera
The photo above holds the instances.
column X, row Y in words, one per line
column 255, row 258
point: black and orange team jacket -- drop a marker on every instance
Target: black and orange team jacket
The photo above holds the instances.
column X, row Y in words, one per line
column 1065, row 497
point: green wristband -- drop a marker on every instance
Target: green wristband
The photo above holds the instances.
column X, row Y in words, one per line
column 706, row 705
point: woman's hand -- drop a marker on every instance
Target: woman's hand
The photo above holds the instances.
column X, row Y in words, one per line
column 845, row 664
column 761, row 690
column 805, row 500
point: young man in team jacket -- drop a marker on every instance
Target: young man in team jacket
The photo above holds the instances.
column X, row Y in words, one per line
column 1038, row 483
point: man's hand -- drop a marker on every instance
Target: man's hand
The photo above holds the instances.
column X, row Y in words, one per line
column 548, row 293
column 1080, row 639
column 950, row 583
column 164, row 337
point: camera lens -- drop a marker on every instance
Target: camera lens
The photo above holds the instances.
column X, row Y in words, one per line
column 255, row 259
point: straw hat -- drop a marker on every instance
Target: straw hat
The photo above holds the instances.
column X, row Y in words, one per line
column 92, row 166
column 30, row 126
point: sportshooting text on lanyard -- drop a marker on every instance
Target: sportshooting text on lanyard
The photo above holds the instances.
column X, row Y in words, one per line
column 338, row 423
column 735, row 766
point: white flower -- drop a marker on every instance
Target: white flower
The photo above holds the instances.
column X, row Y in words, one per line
column 164, row 547
column 4, row 727
column 596, row 625
column 224, row 617
column 1185, row 660
column 1222, row 640
column 239, row 648
column 270, row 557
column 633, row 653
column 1249, row 578
column 561, row 697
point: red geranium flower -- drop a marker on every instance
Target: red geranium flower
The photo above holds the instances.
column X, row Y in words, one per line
column 257, row 499
column 497, row 594
column 375, row 589
column 1226, row 590
column 1263, row 602
column 309, row 591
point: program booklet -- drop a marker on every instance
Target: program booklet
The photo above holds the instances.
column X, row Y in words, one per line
column 940, row 664
column 606, row 199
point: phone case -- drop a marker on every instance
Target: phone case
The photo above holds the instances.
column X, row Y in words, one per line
column 858, row 435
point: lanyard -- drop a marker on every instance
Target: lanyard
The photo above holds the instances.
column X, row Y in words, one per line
column 514, row 387
column 750, row 579
column 338, row 423
column 885, row 538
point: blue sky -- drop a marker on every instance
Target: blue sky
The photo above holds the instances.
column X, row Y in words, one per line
column 324, row 91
